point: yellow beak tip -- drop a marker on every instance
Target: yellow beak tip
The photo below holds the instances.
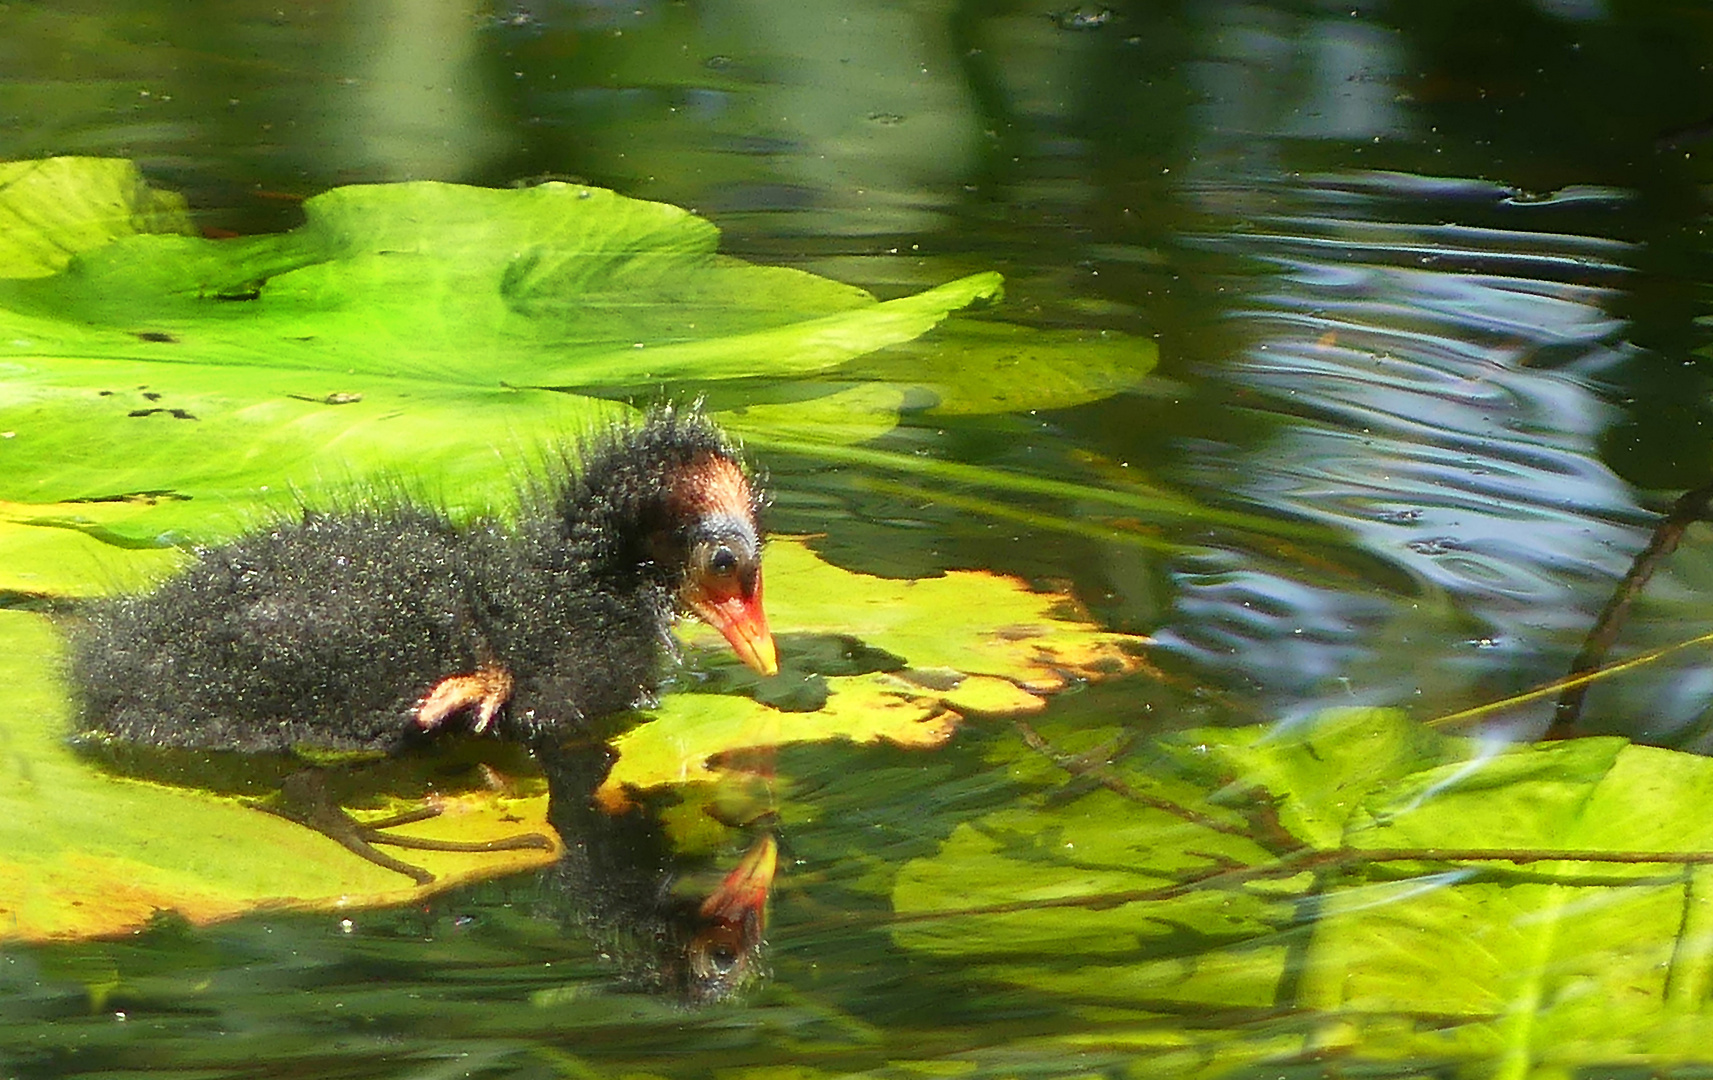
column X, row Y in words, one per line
column 767, row 659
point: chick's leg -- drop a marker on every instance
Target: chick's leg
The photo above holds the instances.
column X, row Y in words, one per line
column 484, row 692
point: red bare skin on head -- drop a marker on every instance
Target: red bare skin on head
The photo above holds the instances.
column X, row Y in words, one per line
column 485, row 691
column 712, row 485
column 723, row 585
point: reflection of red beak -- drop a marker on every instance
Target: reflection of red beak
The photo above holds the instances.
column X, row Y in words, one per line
column 743, row 895
column 740, row 618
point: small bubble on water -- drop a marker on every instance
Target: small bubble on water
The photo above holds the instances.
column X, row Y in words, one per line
column 1082, row 17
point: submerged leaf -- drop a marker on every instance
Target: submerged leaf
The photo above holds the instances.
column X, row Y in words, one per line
column 1413, row 895
column 989, row 367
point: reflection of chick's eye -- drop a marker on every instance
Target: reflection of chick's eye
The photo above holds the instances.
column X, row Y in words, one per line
column 723, row 957
column 716, row 952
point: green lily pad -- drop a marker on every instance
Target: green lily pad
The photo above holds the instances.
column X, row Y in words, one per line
column 406, row 335
column 991, row 367
column 556, row 285
column 1400, row 895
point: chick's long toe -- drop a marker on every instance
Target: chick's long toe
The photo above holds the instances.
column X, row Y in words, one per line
column 304, row 798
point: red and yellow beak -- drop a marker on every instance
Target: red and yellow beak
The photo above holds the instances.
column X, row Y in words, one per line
column 743, row 894
column 737, row 614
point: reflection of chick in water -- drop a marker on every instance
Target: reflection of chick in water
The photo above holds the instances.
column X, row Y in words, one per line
column 620, row 881
column 362, row 631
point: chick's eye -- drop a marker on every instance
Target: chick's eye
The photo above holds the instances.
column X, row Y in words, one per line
column 723, row 560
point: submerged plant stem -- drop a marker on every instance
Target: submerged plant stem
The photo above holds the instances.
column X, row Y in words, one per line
column 1052, row 522
column 1560, row 685
column 1164, row 506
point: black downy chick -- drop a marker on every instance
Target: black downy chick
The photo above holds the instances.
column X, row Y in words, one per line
column 363, row 630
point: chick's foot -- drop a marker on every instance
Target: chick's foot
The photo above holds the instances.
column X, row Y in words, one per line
column 304, row 798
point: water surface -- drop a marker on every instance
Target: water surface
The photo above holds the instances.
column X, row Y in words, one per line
column 1432, row 277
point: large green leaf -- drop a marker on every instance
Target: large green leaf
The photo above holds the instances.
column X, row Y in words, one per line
column 556, row 285
column 1402, row 895
column 410, row 333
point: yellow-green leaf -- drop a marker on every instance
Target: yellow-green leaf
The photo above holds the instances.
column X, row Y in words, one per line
column 52, row 209
column 973, row 643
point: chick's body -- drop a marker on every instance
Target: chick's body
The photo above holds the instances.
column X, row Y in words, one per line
column 332, row 631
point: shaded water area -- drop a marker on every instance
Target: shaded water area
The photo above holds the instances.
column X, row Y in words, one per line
column 1429, row 283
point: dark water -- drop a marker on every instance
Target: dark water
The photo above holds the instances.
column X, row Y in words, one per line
column 1431, row 275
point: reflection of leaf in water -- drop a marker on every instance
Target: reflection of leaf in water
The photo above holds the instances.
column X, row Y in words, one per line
column 1352, row 875
column 70, row 549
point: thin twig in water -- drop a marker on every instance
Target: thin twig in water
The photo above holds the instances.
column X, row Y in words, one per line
column 1097, row 766
column 1688, row 509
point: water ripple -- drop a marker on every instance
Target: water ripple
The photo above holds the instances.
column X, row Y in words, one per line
column 1438, row 387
